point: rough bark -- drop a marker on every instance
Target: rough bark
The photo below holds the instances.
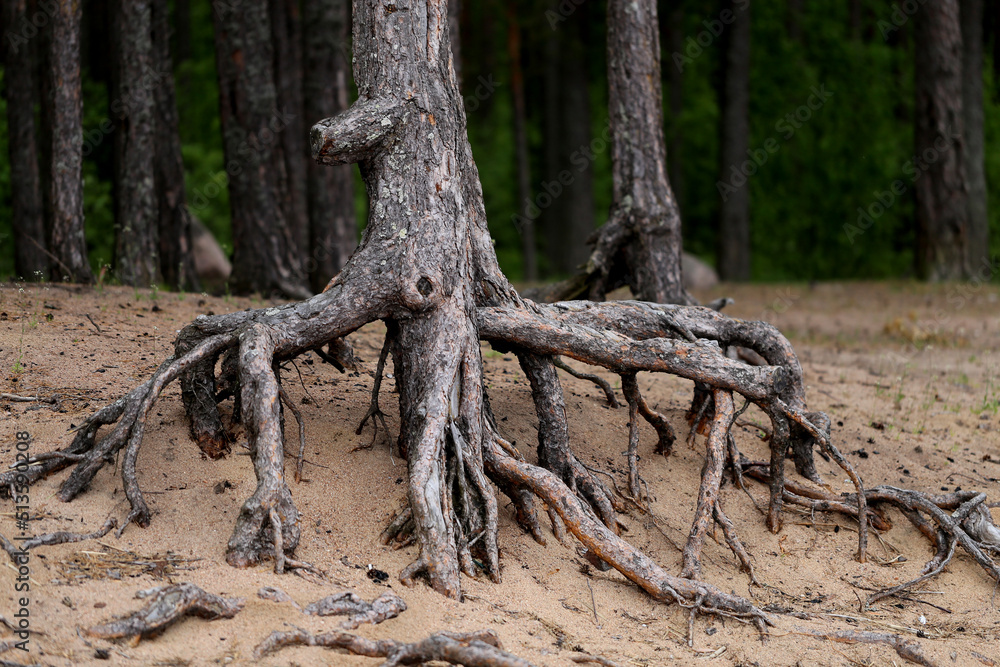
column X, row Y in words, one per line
column 942, row 210
column 734, row 212
column 265, row 255
column 62, row 112
column 174, row 218
column 133, row 83
column 332, row 225
column 30, row 260
column 640, row 245
column 286, row 28
column 972, row 108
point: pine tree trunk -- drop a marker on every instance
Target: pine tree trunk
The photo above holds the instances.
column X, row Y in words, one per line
column 63, row 114
column 643, row 202
column 734, row 213
column 265, row 255
column 525, row 223
column 942, row 211
column 568, row 249
column 972, row 107
column 674, row 31
column 30, row 260
column 134, row 81
column 286, row 26
column 174, row 219
column 332, row 221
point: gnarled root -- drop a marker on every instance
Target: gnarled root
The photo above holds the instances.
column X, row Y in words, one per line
column 612, row 549
column 167, row 604
column 474, row 649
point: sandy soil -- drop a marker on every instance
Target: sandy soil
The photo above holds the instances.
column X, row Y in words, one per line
column 909, row 374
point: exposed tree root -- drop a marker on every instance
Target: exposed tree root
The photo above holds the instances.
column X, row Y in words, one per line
column 905, row 649
column 474, row 649
column 50, row 539
column 386, row 606
column 664, row 432
column 603, row 384
column 426, row 267
column 948, row 520
column 374, row 412
column 167, row 604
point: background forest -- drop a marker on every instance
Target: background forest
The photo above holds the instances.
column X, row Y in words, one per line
column 829, row 160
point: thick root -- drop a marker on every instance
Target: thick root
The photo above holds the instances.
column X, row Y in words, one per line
column 167, row 605
column 476, row 649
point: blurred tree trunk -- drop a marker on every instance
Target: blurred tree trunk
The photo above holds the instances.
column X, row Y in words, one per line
column 174, row 218
column 674, row 31
column 62, row 113
column 942, row 210
column 526, row 224
column 734, row 213
column 455, row 31
column 286, row 28
column 332, row 221
column 575, row 173
column 182, row 30
column 132, row 83
column 972, row 106
column 265, row 256
column 566, row 194
column 794, row 22
column 30, row 260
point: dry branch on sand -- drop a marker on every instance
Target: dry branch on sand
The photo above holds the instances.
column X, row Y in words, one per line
column 426, row 267
column 166, row 605
column 473, row 649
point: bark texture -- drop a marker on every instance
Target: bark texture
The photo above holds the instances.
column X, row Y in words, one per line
column 975, row 141
column 30, row 260
column 133, row 81
column 734, row 213
column 942, row 211
column 63, row 113
column 265, row 257
column 332, row 224
column 174, row 219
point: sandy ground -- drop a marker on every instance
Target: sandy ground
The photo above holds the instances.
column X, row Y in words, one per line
column 909, row 374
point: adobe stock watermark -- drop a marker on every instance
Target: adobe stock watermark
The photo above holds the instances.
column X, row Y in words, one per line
column 562, row 12
column 246, row 153
column 695, row 46
column 484, row 91
column 122, row 107
column 786, row 127
column 885, row 199
column 901, row 13
column 22, row 32
column 581, row 158
column 22, row 504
